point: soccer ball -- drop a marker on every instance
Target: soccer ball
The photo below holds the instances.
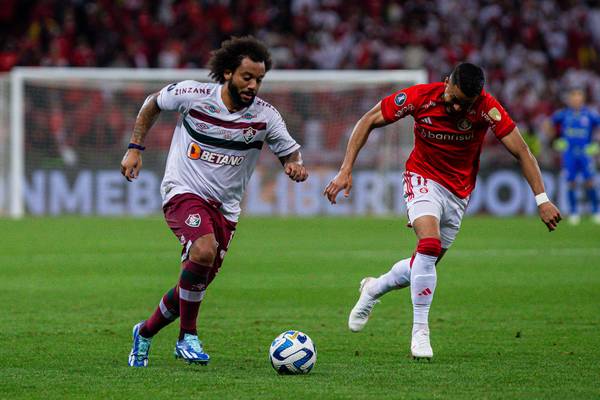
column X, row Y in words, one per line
column 292, row 352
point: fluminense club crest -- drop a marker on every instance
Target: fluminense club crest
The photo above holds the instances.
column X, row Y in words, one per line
column 193, row 220
column 249, row 134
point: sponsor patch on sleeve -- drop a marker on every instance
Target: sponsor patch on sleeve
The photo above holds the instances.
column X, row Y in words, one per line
column 495, row 114
column 400, row 99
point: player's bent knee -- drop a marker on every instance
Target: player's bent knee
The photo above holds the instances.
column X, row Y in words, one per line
column 427, row 226
column 203, row 252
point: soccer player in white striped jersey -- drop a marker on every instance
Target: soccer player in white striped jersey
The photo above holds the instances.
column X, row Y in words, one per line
column 215, row 147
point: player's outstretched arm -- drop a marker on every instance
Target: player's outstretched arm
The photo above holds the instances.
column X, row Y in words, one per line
column 294, row 166
column 132, row 160
column 549, row 213
column 343, row 180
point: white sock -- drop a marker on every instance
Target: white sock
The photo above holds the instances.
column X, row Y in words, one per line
column 397, row 277
column 422, row 286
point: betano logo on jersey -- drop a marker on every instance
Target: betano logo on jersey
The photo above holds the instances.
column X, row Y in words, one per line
column 195, row 152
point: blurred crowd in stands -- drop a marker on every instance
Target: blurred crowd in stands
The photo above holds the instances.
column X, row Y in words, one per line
column 531, row 50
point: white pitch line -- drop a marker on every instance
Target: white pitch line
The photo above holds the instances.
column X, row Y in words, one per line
column 560, row 252
column 508, row 252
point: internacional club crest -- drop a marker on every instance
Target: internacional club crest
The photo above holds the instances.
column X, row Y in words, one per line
column 193, row 220
column 249, row 134
column 464, row 124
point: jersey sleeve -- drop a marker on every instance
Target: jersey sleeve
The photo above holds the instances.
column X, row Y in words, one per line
column 177, row 96
column 400, row 104
column 595, row 119
column 278, row 138
column 498, row 119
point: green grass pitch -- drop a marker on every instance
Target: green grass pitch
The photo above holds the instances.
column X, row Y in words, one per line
column 516, row 313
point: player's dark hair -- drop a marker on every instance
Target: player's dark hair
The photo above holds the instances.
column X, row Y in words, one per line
column 469, row 78
column 231, row 53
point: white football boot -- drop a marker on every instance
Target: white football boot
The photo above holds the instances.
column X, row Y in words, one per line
column 362, row 309
column 420, row 346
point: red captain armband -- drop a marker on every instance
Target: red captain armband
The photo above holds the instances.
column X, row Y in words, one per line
column 136, row 146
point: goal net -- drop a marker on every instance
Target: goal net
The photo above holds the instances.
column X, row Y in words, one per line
column 69, row 129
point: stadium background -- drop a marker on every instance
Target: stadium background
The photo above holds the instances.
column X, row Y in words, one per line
column 516, row 308
column 532, row 51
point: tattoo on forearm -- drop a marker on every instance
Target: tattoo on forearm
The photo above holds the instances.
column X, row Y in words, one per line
column 145, row 119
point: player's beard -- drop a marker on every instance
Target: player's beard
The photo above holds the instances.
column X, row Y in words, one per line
column 451, row 111
column 236, row 97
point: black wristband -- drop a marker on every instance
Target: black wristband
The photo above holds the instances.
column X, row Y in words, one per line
column 136, row 146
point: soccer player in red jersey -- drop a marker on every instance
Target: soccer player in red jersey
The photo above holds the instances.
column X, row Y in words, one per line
column 215, row 147
column 451, row 119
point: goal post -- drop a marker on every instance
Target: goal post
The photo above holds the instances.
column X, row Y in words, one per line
column 69, row 128
column 4, row 141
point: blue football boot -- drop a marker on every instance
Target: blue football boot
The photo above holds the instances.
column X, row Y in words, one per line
column 140, row 349
column 190, row 349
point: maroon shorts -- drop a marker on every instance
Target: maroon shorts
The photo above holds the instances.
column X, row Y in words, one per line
column 189, row 216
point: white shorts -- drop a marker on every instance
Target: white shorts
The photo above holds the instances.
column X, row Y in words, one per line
column 426, row 197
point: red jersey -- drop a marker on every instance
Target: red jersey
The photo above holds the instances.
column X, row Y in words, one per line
column 447, row 147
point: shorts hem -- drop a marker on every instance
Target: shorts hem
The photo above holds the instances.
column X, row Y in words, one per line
column 422, row 215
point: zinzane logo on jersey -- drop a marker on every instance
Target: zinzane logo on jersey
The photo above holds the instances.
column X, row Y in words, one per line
column 192, row 90
column 195, row 152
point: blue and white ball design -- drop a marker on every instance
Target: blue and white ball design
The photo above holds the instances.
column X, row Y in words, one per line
column 292, row 352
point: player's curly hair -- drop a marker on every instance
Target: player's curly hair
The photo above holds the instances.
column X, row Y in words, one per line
column 469, row 78
column 231, row 53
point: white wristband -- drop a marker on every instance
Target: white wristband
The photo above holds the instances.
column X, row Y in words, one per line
column 541, row 198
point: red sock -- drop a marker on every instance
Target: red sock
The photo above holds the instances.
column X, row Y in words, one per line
column 166, row 312
column 192, row 285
